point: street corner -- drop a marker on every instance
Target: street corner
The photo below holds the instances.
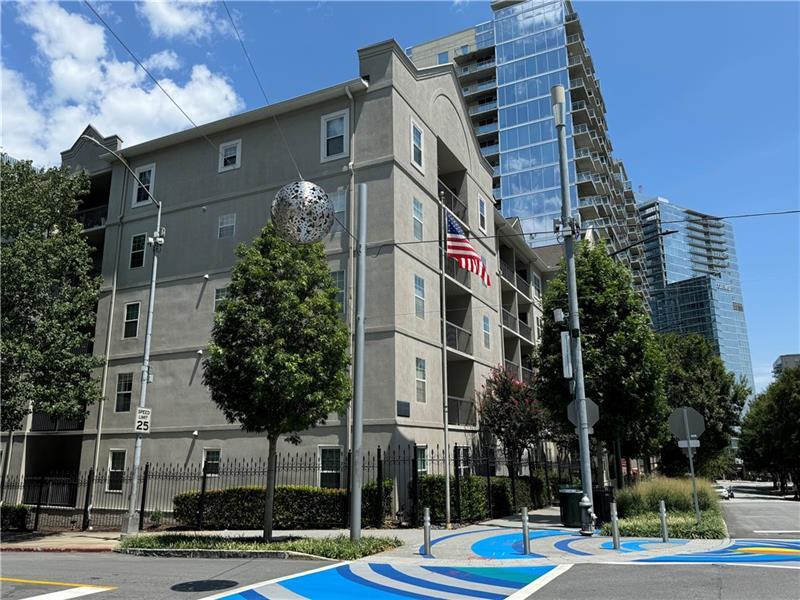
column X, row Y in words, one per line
column 383, row 581
column 13, row 588
column 743, row 551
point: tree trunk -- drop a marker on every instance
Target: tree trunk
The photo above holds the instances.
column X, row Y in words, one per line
column 270, row 496
column 618, row 463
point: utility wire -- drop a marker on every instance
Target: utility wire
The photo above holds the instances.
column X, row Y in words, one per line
column 261, row 87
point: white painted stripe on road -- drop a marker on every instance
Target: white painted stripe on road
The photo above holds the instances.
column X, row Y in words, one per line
column 539, row 583
column 75, row 592
column 276, row 580
column 776, row 531
column 364, row 571
column 435, row 577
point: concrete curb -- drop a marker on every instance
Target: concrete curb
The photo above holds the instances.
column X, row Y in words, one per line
column 203, row 553
column 53, row 549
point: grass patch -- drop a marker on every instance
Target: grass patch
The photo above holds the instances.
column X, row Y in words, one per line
column 643, row 498
column 680, row 525
column 338, row 548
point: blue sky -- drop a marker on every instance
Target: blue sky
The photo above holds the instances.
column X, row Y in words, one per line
column 702, row 97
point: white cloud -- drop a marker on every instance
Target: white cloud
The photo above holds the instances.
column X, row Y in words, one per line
column 190, row 20
column 87, row 84
column 166, row 60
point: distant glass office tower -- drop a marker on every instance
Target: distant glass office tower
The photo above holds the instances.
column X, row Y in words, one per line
column 693, row 279
column 506, row 67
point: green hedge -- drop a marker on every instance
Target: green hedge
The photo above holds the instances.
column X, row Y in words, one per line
column 679, row 525
column 644, row 497
column 296, row 507
column 470, row 496
column 14, row 517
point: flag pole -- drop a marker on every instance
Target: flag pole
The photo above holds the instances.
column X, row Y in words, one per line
column 443, row 305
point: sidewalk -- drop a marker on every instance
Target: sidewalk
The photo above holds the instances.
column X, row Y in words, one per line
column 65, row 541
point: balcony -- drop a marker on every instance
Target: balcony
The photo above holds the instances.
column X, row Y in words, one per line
column 485, row 128
column 482, row 107
column 453, row 203
column 481, row 86
column 525, row 330
column 509, row 320
column 459, row 338
column 44, row 422
column 92, row 218
column 461, row 411
column 490, row 150
column 527, row 375
column 476, row 67
column 512, row 368
column 454, row 272
column 507, row 271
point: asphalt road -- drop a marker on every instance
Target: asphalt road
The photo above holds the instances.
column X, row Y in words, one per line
column 756, row 518
column 668, row 582
column 138, row 577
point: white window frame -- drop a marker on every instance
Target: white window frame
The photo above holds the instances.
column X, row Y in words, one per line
column 421, row 298
column 421, row 165
column 422, row 465
column 487, row 332
column 339, row 210
column 323, row 135
column 537, row 285
column 464, row 467
column 320, row 448
column 118, row 392
column 417, row 206
column 220, row 295
column 423, row 380
column 125, row 319
column 139, row 171
column 144, row 251
column 205, row 460
column 222, row 168
column 482, row 214
column 340, row 290
column 220, row 225
column 111, row 451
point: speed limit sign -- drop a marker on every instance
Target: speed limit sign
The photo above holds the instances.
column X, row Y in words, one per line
column 142, row 424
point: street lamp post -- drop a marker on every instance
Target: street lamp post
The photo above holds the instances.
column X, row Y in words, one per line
column 131, row 525
column 569, row 230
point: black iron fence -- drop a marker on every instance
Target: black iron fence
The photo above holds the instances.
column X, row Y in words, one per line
column 100, row 498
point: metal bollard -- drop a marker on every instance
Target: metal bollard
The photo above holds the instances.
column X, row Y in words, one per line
column 426, row 528
column 662, row 513
column 614, row 525
column 526, row 542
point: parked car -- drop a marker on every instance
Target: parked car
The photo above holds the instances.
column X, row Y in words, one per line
column 722, row 492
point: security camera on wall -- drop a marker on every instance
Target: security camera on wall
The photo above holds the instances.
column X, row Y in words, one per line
column 195, row 433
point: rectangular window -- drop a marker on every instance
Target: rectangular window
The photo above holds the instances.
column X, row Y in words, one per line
column 131, row 326
column 403, row 409
column 147, row 175
column 334, row 135
column 538, row 329
column 418, row 220
column 338, row 279
column 487, row 337
column 463, row 462
column 116, row 470
column 443, row 58
column 124, row 392
column 330, row 473
column 340, row 210
column 230, row 155
column 220, row 294
column 138, row 244
column 417, row 144
column 421, row 453
column 419, row 297
column 226, row 226
column 537, row 286
column 422, row 380
column 482, row 214
column 211, row 459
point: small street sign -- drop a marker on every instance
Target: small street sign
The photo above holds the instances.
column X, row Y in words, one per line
column 142, row 424
column 566, row 355
column 592, row 413
column 688, row 443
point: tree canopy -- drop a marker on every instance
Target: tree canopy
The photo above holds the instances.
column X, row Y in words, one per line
column 695, row 376
column 48, row 295
column 622, row 362
column 278, row 357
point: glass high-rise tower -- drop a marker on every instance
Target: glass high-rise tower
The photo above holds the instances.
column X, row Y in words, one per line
column 506, row 67
column 694, row 280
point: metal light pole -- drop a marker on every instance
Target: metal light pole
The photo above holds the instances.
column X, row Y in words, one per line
column 131, row 525
column 356, row 475
column 569, row 230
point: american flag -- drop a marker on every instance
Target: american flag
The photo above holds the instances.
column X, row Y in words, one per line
column 459, row 248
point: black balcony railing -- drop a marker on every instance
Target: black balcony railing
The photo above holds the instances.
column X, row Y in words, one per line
column 509, row 320
column 512, row 368
column 525, row 331
column 44, row 422
column 453, row 271
column 459, row 338
column 453, row 203
column 461, row 411
column 92, row 217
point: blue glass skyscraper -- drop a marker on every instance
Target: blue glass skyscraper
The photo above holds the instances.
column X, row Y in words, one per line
column 694, row 280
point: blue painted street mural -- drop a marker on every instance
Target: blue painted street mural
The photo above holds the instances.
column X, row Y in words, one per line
column 641, row 544
column 510, row 545
column 381, row 581
column 741, row 551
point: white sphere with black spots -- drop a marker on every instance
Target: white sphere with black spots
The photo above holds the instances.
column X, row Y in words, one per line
column 302, row 212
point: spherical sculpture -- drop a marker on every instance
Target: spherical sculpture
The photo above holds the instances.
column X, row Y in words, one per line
column 302, row 212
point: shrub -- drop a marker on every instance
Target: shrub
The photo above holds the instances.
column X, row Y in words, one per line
column 296, row 507
column 14, row 517
column 644, row 497
column 679, row 525
column 156, row 518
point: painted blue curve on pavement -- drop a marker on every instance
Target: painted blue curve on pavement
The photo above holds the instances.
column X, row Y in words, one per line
column 510, row 545
column 392, row 573
column 475, row 578
column 734, row 554
column 565, row 546
column 452, row 535
column 638, row 545
column 329, row 585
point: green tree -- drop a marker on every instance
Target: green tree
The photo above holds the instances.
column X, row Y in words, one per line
column 770, row 437
column 622, row 362
column 48, row 297
column 695, row 376
column 508, row 409
column 277, row 361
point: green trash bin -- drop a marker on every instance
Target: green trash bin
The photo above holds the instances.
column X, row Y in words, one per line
column 569, row 506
